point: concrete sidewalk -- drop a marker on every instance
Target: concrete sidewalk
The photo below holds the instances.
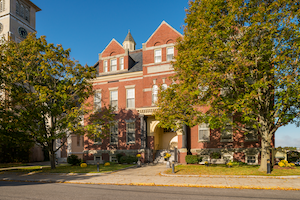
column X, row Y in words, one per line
column 153, row 176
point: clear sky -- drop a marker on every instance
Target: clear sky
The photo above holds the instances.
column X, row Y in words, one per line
column 86, row 27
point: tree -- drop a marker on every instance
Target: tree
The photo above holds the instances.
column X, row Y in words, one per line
column 238, row 58
column 46, row 92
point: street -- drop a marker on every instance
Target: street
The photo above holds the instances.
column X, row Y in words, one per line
column 30, row 190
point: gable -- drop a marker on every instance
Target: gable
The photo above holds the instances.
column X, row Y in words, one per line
column 164, row 34
column 112, row 49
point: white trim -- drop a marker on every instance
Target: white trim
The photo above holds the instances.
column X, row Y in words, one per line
column 160, row 46
column 113, row 88
column 147, row 90
column 130, row 79
column 159, row 74
column 250, row 154
column 129, row 86
column 117, row 76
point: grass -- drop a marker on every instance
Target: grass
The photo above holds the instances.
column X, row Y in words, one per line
column 235, row 170
column 6, row 165
column 71, row 169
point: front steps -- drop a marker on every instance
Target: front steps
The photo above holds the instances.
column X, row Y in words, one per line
column 159, row 156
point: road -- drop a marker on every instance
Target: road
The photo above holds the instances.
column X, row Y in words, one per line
column 28, row 190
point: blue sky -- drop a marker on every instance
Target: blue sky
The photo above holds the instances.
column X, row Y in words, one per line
column 86, row 27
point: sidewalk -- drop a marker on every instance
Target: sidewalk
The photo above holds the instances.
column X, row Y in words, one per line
column 153, row 176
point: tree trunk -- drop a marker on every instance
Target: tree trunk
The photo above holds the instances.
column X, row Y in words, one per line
column 52, row 159
column 52, row 155
column 265, row 152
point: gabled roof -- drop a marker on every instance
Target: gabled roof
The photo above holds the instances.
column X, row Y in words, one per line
column 113, row 40
column 129, row 38
column 162, row 23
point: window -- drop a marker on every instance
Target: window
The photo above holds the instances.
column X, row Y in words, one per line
column 105, row 66
column 203, row 132
column 121, row 63
column 113, row 65
column 113, row 158
column 164, row 86
column 130, row 131
column 170, row 53
column 154, row 94
column 98, row 139
column 157, row 56
column 114, row 99
column 78, row 140
column 114, row 134
column 251, row 159
column 21, row 9
column 130, row 101
column 227, row 132
column 2, row 5
column 252, row 134
column 97, row 100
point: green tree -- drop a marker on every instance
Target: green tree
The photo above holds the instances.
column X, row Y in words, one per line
column 237, row 58
column 46, row 92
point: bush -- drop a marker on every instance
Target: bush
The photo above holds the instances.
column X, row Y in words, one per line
column 191, row 159
column 215, row 155
column 128, row 159
column 284, row 163
column 73, row 160
column 83, row 165
column 107, row 164
column 119, row 156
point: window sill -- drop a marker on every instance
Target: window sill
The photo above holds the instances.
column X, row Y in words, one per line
column 97, row 143
column 226, row 140
column 203, row 141
column 251, row 140
column 130, row 108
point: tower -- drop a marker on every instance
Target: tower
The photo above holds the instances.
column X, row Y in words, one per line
column 129, row 42
column 17, row 18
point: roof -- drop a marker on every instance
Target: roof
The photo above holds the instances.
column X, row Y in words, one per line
column 33, row 5
column 135, row 64
column 129, row 37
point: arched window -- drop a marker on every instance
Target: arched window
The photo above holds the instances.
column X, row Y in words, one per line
column 154, row 94
column 27, row 14
column 1, row 5
column 17, row 7
column 164, row 86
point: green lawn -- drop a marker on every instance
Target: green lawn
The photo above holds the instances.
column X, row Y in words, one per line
column 235, row 170
column 72, row 169
column 5, row 165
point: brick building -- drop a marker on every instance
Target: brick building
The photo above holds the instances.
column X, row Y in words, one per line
column 129, row 79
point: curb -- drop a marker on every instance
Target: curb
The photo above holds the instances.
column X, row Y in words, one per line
column 161, row 185
column 231, row 176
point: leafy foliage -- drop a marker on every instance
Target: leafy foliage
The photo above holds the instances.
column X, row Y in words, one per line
column 237, row 57
column 73, row 160
column 45, row 92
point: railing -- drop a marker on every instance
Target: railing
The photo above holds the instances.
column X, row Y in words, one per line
column 147, row 111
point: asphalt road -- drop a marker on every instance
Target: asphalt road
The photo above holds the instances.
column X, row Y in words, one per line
column 27, row 190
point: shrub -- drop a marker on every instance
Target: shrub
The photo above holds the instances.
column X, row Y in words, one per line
column 128, row 159
column 229, row 164
column 191, row 159
column 106, row 164
column 83, row 165
column 215, row 155
column 119, row 155
column 73, row 160
column 284, row 163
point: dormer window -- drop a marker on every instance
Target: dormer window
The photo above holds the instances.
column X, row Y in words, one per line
column 170, row 53
column 157, row 56
column 113, row 65
column 121, row 63
column 105, row 66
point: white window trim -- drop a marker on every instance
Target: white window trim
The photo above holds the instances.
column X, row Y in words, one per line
column 129, row 88
column 115, row 65
column 111, row 158
column 100, row 91
column 227, row 140
column 167, row 53
column 116, row 123
column 201, row 140
column 130, row 121
column 105, row 66
column 110, row 100
column 160, row 55
column 152, row 94
column 250, row 154
column 120, row 64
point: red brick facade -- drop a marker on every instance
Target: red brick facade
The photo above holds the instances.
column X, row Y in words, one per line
column 135, row 79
